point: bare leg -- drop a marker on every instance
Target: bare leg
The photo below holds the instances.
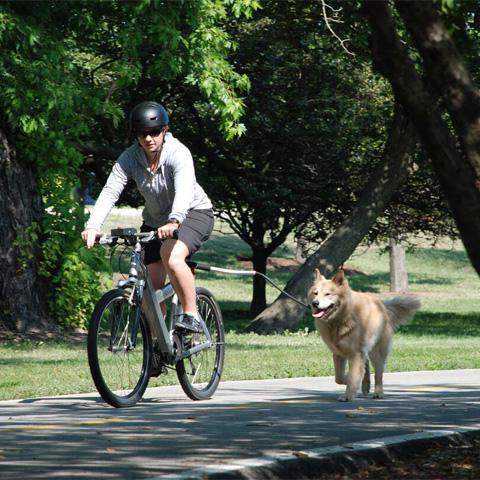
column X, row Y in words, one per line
column 158, row 275
column 174, row 253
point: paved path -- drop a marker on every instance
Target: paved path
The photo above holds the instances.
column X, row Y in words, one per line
column 246, row 424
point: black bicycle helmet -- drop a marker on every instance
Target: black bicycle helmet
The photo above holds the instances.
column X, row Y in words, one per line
column 147, row 115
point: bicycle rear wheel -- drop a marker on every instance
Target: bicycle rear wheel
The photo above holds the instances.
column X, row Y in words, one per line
column 120, row 369
column 199, row 374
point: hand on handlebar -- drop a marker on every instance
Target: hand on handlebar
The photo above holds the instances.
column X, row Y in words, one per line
column 89, row 236
column 168, row 230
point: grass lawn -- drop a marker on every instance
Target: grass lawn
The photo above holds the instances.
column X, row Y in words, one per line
column 445, row 334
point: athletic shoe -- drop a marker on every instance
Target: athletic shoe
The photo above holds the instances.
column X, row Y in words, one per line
column 189, row 323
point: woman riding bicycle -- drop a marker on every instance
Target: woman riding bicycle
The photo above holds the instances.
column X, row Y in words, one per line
column 175, row 204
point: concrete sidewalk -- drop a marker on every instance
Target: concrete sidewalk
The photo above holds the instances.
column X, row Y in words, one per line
column 249, row 429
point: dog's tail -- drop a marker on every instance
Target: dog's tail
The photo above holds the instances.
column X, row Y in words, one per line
column 401, row 309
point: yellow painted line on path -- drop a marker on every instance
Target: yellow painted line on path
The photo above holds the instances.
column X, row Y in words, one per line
column 297, row 401
column 50, row 426
column 444, row 387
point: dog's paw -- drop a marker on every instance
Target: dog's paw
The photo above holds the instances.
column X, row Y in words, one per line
column 378, row 395
column 345, row 398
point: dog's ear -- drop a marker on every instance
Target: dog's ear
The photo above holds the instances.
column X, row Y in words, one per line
column 317, row 276
column 339, row 277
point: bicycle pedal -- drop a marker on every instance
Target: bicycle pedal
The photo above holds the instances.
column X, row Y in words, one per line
column 188, row 325
column 157, row 371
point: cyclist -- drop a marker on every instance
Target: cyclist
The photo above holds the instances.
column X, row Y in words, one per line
column 175, row 204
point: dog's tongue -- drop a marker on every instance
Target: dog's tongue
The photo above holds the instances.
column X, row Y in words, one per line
column 319, row 314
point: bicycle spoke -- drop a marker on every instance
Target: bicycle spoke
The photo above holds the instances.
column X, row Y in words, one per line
column 120, row 372
column 200, row 373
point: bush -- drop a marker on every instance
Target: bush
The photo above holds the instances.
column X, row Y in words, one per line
column 78, row 286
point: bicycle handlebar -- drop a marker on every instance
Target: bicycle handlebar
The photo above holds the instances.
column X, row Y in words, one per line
column 128, row 234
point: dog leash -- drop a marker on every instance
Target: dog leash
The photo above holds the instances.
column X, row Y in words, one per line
column 148, row 236
column 246, row 273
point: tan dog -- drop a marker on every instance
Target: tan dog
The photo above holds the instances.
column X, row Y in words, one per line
column 357, row 326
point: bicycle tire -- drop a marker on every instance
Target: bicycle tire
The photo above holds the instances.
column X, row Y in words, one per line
column 120, row 374
column 199, row 374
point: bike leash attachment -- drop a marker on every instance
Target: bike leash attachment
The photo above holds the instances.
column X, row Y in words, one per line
column 245, row 273
column 148, row 236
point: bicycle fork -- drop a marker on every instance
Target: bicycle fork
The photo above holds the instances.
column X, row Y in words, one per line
column 137, row 302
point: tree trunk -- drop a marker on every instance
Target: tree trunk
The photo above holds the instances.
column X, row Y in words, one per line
column 458, row 172
column 259, row 298
column 398, row 267
column 300, row 248
column 284, row 313
column 446, row 69
column 22, row 304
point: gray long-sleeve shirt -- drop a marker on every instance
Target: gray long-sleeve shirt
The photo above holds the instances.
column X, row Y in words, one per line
column 170, row 192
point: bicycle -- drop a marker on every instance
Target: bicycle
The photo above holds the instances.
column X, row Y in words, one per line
column 129, row 340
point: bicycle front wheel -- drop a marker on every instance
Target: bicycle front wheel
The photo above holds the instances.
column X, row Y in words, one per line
column 199, row 374
column 119, row 358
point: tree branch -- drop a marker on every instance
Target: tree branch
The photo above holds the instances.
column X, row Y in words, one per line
column 459, row 181
column 328, row 20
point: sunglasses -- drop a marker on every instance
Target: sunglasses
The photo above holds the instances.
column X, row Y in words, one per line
column 153, row 133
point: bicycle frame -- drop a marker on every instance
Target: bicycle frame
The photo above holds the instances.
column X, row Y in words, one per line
column 154, row 315
column 156, row 320
column 150, row 299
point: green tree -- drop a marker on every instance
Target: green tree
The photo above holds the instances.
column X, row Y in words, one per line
column 389, row 175
column 451, row 147
column 316, row 124
column 64, row 66
column 305, row 115
column 42, row 112
column 448, row 130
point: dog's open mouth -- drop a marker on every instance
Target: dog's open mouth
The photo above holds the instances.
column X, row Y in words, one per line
column 322, row 312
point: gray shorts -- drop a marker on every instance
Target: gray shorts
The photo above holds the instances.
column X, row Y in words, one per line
column 193, row 232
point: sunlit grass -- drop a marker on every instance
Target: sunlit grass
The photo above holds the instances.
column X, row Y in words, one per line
column 445, row 334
